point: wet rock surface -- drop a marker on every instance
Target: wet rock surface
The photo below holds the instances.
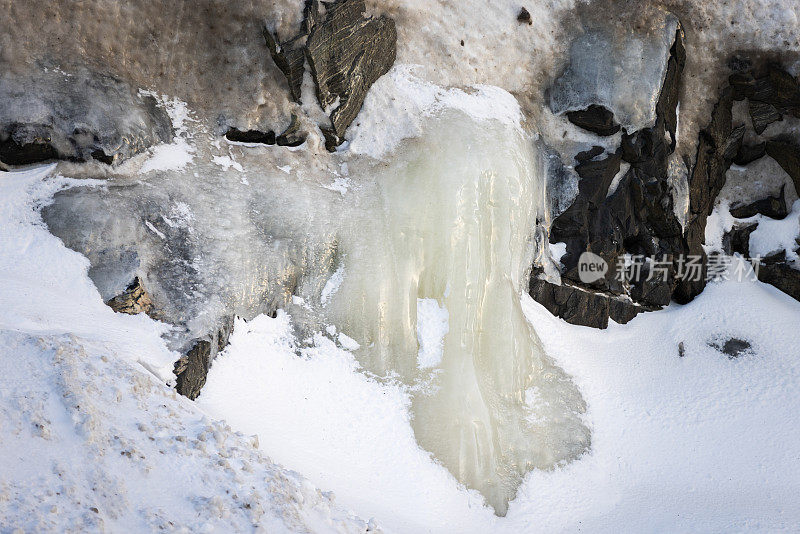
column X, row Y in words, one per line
column 79, row 115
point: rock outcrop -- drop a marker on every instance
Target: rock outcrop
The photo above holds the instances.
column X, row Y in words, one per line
column 346, row 52
column 624, row 207
column 78, row 116
column 595, row 119
column 776, row 271
column 772, row 207
column 192, row 368
column 133, row 300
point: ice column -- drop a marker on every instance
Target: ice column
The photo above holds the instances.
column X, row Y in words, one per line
column 454, row 222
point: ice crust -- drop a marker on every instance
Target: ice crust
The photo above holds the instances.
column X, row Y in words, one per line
column 621, row 69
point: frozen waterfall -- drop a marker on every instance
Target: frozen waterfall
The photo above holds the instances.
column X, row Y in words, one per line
column 455, row 219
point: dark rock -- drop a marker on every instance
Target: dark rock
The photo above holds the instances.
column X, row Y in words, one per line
column 37, row 146
column 590, row 154
column 786, row 152
column 763, row 115
column 738, row 239
column 750, row 153
column 290, row 56
column 250, row 136
column 777, row 272
column 80, row 116
column 595, row 119
column 191, row 369
column 637, row 218
column 775, row 87
column 581, row 307
column 347, row 52
column 772, row 207
column 524, row 17
column 681, row 350
column 718, row 144
column 733, row 347
column 292, row 136
column 133, row 300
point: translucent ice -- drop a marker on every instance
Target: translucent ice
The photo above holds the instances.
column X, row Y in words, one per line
column 618, row 67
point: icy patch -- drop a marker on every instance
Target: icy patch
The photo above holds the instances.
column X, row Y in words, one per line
column 91, row 437
column 432, row 326
column 180, row 153
column 226, row 162
column 601, row 71
column 332, row 285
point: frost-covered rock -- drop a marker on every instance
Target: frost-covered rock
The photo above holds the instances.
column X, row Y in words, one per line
column 78, row 115
column 620, row 69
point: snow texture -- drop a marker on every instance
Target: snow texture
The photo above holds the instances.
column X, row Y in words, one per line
column 92, row 438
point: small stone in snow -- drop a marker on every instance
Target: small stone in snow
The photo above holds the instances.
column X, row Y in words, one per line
column 524, row 17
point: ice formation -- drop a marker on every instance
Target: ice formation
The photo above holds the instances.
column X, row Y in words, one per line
column 456, row 216
column 452, row 218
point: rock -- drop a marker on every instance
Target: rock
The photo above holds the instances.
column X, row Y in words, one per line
column 347, row 52
column 191, row 369
column 718, row 144
column 738, row 239
column 786, row 152
column 595, row 119
column 79, row 116
column 749, row 153
column 290, row 56
column 774, row 87
column 581, row 307
column 292, row 136
column 524, row 16
column 777, row 272
column 250, row 136
column 622, row 70
column 636, row 218
column 733, row 347
column 133, row 300
column 763, row 115
column 772, row 207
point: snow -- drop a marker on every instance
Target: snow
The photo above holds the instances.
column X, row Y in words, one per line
column 692, row 443
column 180, row 153
column 772, row 236
column 432, row 326
column 400, row 103
column 92, row 438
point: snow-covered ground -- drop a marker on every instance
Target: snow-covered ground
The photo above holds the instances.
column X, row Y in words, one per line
column 90, row 439
column 696, row 443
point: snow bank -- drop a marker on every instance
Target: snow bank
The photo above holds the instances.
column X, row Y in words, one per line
column 91, row 436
